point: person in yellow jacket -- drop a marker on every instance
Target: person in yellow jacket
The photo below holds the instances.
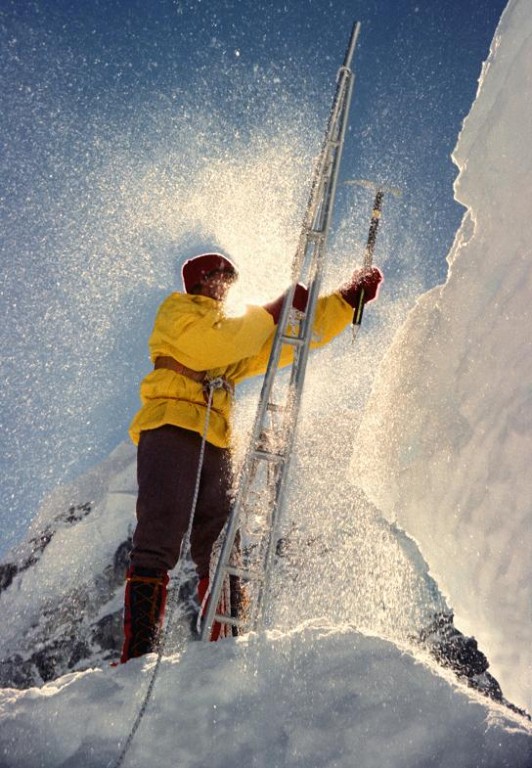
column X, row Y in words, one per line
column 192, row 344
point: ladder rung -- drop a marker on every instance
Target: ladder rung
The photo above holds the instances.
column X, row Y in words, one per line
column 258, row 453
column 221, row 619
column 232, row 570
column 276, row 407
column 296, row 341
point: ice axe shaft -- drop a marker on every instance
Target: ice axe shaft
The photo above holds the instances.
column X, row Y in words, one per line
column 372, row 234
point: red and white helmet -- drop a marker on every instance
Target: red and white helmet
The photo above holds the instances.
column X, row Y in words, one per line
column 194, row 270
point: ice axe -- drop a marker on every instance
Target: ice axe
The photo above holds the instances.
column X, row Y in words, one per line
column 372, row 234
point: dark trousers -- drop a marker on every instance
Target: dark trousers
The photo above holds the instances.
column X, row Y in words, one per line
column 167, row 466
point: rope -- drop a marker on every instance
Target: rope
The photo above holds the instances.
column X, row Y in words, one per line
column 212, row 384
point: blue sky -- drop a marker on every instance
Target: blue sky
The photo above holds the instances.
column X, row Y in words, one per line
column 99, row 97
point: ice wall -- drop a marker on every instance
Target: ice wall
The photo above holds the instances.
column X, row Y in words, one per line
column 445, row 447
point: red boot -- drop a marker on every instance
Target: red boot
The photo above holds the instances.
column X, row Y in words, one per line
column 144, row 604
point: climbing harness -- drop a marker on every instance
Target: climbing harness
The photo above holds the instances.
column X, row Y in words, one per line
column 201, row 377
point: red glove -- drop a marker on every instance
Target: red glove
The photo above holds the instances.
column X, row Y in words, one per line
column 367, row 279
column 299, row 302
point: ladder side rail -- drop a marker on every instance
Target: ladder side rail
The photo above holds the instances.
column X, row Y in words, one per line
column 336, row 155
column 262, row 608
column 300, row 369
column 331, row 162
column 341, row 103
column 273, row 365
column 259, row 618
column 234, row 517
column 355, row 31
column 319, row 247
column 314, row 196
column 295, row 392
column 319, row 206
column 298, row 373
column 296, row 389
column 225, row 553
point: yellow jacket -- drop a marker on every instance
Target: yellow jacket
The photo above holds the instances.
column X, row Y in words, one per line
column 193, row 330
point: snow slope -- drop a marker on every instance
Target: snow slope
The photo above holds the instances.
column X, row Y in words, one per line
column 445, row 446
column 63, row 588
column 316, row 697
column 312, row 692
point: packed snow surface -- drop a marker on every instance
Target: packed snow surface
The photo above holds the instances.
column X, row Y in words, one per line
column 315, row 697
column 445, row 447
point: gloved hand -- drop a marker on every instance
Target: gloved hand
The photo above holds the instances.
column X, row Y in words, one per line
column 368, row 279
column 299, row 302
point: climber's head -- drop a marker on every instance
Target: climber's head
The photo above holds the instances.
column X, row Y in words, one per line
column 209, row 274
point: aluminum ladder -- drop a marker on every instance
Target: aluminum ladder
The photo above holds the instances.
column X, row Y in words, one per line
column 263, row 479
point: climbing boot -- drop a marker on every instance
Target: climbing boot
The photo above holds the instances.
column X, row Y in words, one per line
column 145, row 600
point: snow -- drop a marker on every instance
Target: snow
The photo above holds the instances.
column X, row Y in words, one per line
column 443, row 451
column 62, row 597
column 445, row 445
column 318, row 696
column 76, row 553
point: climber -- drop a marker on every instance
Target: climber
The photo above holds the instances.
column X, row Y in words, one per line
column 199, row 356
